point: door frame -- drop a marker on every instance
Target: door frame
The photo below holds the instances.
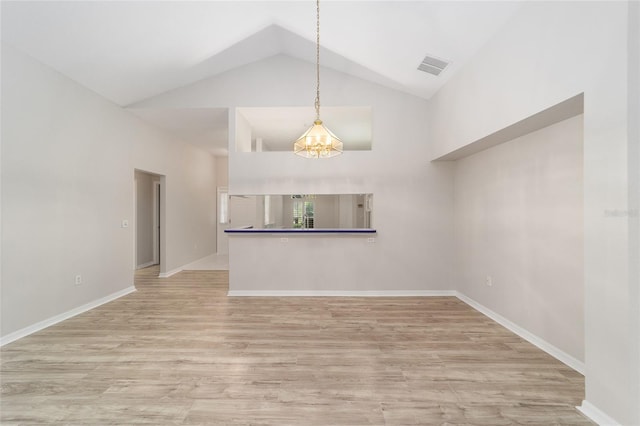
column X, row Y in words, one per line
column 159, row 219
column 157, row 231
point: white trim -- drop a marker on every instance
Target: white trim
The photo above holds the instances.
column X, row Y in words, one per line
column 135, row 220
column 595, row 414
column 181, row 268
column 12, row 337
column 188, row 265
column 156, row 222
column 526, row 335
column 552, row 350
column 146, row 265
column 340, row 293
column 171, row 272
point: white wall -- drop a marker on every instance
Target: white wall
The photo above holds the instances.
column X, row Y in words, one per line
column 324, row 213
column 347, row 208
column 243, row 133
column 244, row 211
column 413, row 198
column 222, row 171
column 518, row 219
column 190, row 199
column 277, row 210
column 634, row 176
column 548, row 52
column 68, row 160
column 299, row 272
column 222, row 179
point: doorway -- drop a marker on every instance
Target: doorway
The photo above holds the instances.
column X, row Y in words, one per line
column 148, row 223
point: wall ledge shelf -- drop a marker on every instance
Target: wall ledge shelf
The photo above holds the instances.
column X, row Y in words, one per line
column 559, row 112
column 294, row 231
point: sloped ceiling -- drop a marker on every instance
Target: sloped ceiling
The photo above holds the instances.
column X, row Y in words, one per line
column 207, row 128
column 128, row 51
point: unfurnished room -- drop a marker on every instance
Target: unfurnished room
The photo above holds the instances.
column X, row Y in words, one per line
column 320, row 212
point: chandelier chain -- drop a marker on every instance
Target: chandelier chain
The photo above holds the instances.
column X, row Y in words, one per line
column 317, row 103
column 317, row 141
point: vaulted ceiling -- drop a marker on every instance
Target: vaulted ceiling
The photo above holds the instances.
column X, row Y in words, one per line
column 128, row 51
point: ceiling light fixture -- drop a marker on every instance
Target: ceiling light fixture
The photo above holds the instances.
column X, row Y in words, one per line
column 318, row 141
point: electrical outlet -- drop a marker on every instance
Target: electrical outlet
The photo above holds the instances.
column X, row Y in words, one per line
column 489, row 280
column 125, row 223
column 371, row 240
column 284, row 240
column 78, row 280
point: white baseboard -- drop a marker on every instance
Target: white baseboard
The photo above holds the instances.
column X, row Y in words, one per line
column 595, row 414
column 146, row 265
column 12, row 337
column 189, row 265
column 526, row 335
column 588, row 409
column 169, row 273
column 340, row 293
column 184, row 267
column 181, row 268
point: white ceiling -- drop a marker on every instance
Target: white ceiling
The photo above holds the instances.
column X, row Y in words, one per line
column 129, row 51
column 207, row 128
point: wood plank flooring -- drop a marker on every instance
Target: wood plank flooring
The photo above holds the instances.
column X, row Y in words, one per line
column 179, row 351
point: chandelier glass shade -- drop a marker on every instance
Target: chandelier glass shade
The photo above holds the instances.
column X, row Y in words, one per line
column 318, row 141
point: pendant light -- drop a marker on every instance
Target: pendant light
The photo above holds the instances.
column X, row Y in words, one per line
column 318, row 141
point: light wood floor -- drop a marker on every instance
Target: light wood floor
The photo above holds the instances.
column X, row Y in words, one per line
column 179, row 351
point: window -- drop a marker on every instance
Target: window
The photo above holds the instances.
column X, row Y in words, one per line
column 267, row 210
column 303, row 214
column 308, row 214
column 223, row 205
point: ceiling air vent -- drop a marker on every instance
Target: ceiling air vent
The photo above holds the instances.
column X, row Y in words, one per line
column 432, row 65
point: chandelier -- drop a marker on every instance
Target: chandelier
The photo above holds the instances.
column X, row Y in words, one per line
column 318, row 141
